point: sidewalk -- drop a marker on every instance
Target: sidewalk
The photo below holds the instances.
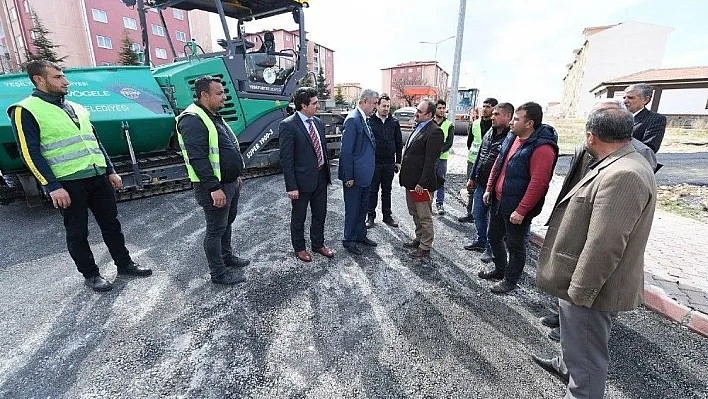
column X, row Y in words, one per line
column 676, row 259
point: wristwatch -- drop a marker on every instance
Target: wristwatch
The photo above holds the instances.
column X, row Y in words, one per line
column 348, row 184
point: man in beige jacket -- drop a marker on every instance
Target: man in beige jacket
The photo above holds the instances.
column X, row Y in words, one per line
column 593, row 255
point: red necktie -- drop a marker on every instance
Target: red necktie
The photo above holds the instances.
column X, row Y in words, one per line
column 316, row 144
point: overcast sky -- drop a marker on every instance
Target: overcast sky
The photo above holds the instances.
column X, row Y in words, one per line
column 514, row 50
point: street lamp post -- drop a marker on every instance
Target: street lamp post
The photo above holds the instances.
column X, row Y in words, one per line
column 437, row 84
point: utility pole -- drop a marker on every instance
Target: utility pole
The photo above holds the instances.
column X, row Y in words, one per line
column 143, row 29
column 457, row 62
column 437, row 84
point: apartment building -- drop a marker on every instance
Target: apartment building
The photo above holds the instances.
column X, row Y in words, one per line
column 318, row 56
column 415, row 79
column 90, row 31
column 607, row 52
column 350, row 91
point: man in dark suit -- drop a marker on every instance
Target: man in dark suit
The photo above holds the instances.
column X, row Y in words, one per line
column 357, row 161
column 649, row 127
column 303, row 157
column 418, row 174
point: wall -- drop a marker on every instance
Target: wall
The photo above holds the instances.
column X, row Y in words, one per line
column 619, row 51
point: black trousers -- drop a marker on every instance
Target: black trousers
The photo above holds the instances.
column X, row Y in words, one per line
column 217, row 239
column 502, row 231
column 96, row 194
column 318, row 206
column 383, row 177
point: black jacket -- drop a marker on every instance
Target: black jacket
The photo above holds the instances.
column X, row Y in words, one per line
column 649, row 128
column 488, row 151
column 196, row 141
column 388, row 137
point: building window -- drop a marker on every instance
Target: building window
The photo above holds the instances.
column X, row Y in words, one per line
column 104, row 42
column 410, row 70
column 99, row 15
column 104, row 63
column 158, row 30
column 178, row 14
column 135, row 47
column 130, row 23
column 287, row 37
column 181, row 36
column 181, row 55
column 13, row 14
column 153, row 10
column 394, row 71
column 19, row 41
column 26, row 5
column 161, row 53
column 418, row 69
column 317, row 69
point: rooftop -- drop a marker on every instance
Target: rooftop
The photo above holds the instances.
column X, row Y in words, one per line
column 659, row 75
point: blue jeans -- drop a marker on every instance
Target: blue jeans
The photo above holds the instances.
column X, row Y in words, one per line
column 480, row 211
column 441, row 170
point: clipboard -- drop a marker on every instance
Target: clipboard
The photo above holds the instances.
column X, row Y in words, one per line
column 422, row 197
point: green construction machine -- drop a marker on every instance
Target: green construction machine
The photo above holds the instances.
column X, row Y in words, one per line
column 133, row 108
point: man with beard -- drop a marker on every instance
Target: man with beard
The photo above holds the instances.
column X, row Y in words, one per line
column 214, row 164
column 59, row 145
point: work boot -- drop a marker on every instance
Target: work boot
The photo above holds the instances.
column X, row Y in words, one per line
column 555, row 334
column 389, row 221
column 229, row 278
column 369, row 222
column 475, row 246
column 493, row 274
column 236, row 262
column 552, row 320
column 98, row 283
column 503, row 287
column 411, row 244
column 420, row 253
column 465, row 219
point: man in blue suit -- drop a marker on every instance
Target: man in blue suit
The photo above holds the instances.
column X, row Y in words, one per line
column 303, row 157
column 357, row 161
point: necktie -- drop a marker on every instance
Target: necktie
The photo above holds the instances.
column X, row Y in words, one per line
column 316, row 143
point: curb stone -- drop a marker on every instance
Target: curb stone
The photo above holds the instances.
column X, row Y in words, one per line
column 656, row 300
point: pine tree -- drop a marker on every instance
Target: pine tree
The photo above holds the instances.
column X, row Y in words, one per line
column 127, row 56
column 45, row 49
column 322, row 89
column 306, row 81
column 339, row 97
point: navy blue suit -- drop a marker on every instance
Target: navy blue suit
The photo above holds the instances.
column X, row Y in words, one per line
column 298, row 160
column 357, row 161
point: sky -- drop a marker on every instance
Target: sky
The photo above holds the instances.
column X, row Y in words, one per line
column 513, row 50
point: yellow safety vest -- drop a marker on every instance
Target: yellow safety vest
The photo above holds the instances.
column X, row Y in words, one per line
column 194, row 109
column 68, row 149
column 445, row 126
column 476, row 132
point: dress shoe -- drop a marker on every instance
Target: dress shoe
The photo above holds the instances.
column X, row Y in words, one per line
column 502, row 287
column 324, row 251
column 389, row 221
column 98, row 284
column 465, row 219
column 493, row 274
column 420, row 253
column 411, row 244
column 547, row 365
column 555, row 334
column 487, row 256
column 369, row 223
column 229, row 278
column 353, row 249
column 551, row 320
column 475, row 246
column 237, row 262
column 368, row 242
column 303, row 255
column 134, row 269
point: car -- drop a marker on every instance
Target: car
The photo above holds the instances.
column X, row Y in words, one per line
column 406, row 117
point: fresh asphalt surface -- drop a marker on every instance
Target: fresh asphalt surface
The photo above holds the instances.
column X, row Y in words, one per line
column 378, row 325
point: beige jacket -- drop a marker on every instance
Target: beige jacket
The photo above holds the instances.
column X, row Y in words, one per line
column 593, row 254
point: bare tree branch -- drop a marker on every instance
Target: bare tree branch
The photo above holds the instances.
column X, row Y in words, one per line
column 398, row 87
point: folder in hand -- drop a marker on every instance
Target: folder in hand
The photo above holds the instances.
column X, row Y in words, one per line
column 422, row 197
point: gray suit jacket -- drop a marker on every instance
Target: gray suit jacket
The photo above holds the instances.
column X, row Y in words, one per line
column 593, row 254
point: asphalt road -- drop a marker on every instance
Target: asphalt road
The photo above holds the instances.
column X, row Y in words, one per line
column 373, row 326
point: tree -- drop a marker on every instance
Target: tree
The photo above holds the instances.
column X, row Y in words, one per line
column 306, row 81
column 339, row 97
column 45, row 49
column 127, row 56
column 322, row 88
column 399, row 86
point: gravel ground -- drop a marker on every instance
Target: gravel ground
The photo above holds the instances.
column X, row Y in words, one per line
column 377, row 325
